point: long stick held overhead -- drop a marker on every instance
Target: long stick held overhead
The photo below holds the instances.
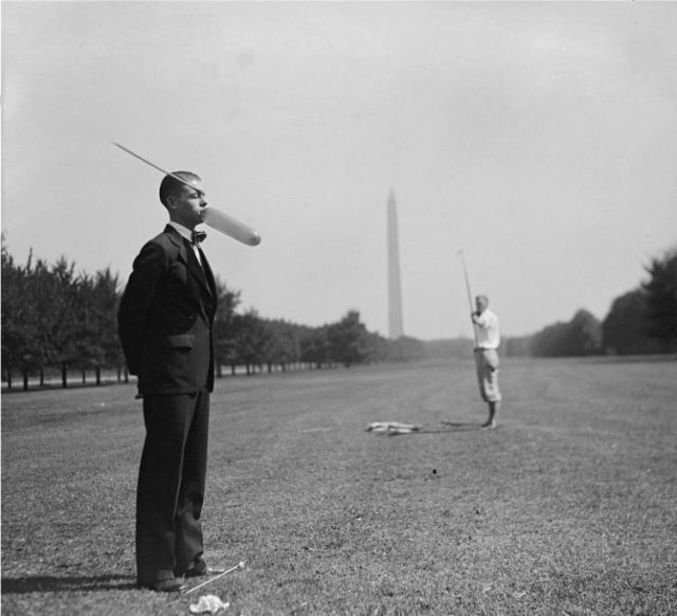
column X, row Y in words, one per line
column 467, row 281
column 467, row 288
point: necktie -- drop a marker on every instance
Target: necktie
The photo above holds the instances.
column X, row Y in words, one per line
column 193, row 247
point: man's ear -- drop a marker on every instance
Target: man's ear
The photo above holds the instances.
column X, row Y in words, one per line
column 170, row 202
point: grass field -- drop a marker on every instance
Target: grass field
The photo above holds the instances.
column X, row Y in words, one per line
column 568, row 508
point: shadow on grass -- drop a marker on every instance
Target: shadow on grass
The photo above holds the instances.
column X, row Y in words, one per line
column 46, row 583
column 450, row 426
column 455, row 426
column 445, row 428
column 34, row 387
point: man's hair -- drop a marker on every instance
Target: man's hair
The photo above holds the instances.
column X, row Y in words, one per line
column 170, row 186
column 483, row 298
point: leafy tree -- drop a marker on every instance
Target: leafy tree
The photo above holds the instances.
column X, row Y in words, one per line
column 315, row 346
column 95, row 342
column 106, row 294
column 661, row 300
column 623, row 328
column 85, row 348
column 348, row 340
column 378, row 347
column 551, row 341
column 282, row 345
column 579, row 337
column 60, row 298
column 51, row 317
column 585, row 334
column 250, row 337
column 19, row 318
column 38, row 313
column 224, row 326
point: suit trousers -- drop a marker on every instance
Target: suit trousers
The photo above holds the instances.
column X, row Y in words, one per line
column 171, row 485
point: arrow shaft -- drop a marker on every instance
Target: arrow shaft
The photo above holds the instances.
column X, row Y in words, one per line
column 142, row 159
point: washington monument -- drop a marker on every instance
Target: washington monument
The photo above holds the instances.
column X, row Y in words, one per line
column 395, row 327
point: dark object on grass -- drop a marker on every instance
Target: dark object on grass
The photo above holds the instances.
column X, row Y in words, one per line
column 168, row 585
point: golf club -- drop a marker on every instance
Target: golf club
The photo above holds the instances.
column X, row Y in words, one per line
column 239, row 565
column 467, row 287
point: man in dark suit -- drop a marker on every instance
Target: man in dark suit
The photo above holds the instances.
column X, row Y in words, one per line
column 165, row 325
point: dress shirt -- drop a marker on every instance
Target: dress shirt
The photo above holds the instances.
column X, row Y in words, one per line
column 186, row 234
column 488, row 336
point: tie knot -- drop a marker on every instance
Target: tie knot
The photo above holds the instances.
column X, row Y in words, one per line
column 198, row 236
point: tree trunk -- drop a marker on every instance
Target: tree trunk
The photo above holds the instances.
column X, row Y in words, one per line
column 84, row 376
column 126, row 375
column 9, row 379
column 98, row 375
column 25, row 376
column 64, row 375
column 119, row 374
column 42, row 376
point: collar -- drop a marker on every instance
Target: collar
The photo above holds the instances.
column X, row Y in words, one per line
column 183, row 231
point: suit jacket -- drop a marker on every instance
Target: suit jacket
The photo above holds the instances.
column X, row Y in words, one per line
column 166, row 315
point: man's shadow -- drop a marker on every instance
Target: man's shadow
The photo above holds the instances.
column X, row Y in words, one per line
column 448, row 426
column 445, row 428
column 47, row 583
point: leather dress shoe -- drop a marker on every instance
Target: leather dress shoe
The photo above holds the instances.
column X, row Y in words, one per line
column 197, row 569
column 167, row 585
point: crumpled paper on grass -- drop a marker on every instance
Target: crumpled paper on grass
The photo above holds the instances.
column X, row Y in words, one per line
column 392, row 427
column 208, row 604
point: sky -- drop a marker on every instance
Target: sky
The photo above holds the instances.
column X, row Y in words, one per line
column 538, row 138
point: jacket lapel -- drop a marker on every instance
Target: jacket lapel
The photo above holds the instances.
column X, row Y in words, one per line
column 187, row 256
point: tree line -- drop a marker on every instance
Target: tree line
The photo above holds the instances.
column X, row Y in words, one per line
column 53, row 317
column 639, row 322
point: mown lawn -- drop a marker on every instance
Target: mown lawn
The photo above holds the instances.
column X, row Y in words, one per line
column 568, row 508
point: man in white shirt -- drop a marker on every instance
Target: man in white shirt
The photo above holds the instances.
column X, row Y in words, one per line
column 488, row 338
